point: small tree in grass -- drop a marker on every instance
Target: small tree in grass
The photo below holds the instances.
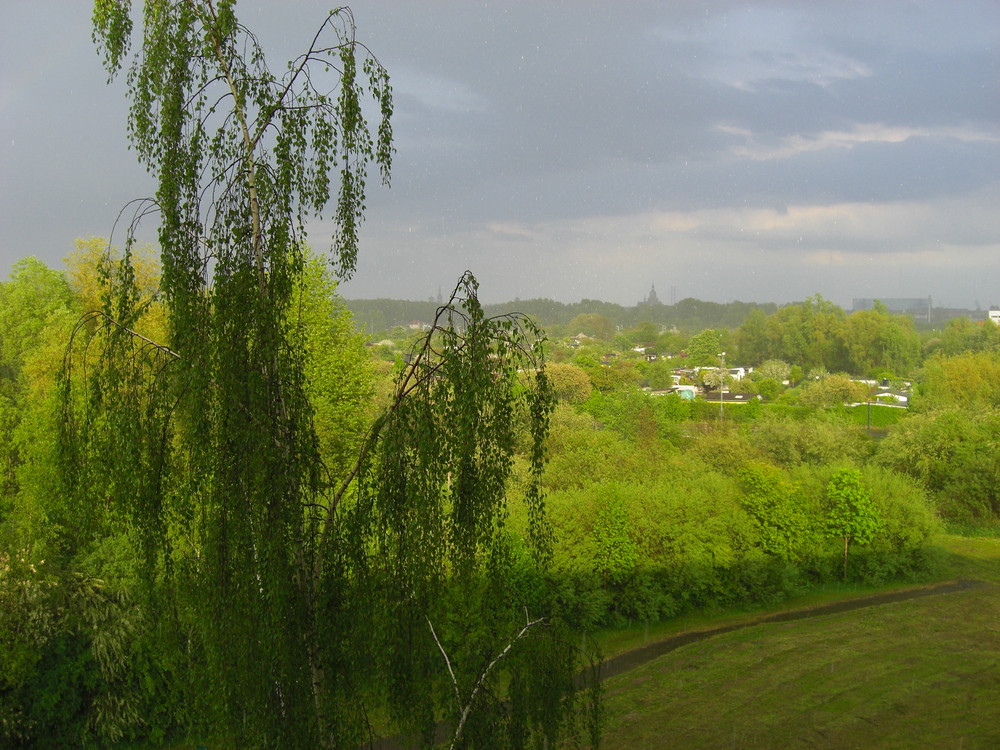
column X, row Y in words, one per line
column 850, row 513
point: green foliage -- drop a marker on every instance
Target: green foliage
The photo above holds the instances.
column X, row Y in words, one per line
column 850, row 513
column 295, row 590
column 337, row 368
column 877, row 340
column 774, row 369
column 592, row 324
column 431, row 508
column 751, row 338
column 715, row 377
column 615, row 556
column 582, row 453
column 569, row 382
column 64, row 645
column 638, row 416
column 908, row 527
column 28, row 622
column 694, row 546
column 767, row 387
column 808, row 334
column 721, row 445
column 36, row 308
column 783, row 526
column 33, row 294
column 952, row 453
column 969, row 381
column 288, row 134
column 703, row 348
column 786, row 441
column 833, row 390
column 423, row 525
column 962, row 335
column 702, row 537
column 645, row 335
column 660, row 374
column 818, row 334
column 618, row 376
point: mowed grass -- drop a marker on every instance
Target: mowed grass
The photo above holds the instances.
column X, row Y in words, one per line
column 923, row 673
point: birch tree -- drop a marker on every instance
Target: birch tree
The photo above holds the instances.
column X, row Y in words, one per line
column 291, row 599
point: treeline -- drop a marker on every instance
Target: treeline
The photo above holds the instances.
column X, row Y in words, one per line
column 689, row 315
column 378, row 315
column 813, row 337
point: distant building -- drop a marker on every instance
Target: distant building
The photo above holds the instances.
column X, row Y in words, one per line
column 651, row 298
column 730, row 397
column 686, row 392
column 915, row 306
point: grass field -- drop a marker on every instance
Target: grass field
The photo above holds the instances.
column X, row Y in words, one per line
column 922, row 673
column 919, row 673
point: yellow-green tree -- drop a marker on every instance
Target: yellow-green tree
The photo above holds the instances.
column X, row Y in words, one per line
column 569, row 382
column 967, row 381
column 833, row 390
column 881, row 343
column 705, row 347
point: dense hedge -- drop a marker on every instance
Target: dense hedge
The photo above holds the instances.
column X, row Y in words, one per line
column 694, row 537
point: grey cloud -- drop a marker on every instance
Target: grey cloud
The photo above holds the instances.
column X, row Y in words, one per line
column 533, row 137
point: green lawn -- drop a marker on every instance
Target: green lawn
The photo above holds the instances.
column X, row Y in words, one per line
column 922, row 673
column 919, row 673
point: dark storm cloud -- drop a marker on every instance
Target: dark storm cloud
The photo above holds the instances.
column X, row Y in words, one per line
column 582, row 149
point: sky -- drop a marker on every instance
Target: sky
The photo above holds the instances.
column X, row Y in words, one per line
column 753, row 151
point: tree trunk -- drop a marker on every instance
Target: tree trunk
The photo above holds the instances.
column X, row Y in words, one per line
column 847, row 541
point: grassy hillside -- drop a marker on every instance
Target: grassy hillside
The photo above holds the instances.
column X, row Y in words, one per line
column 917, row 673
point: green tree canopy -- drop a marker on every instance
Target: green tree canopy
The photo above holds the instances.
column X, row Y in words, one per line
column 968, row 380
column 704, row 348
column 292, row 593
column 773, row 369
column 833, row 390
column 952, row 452
column 850, row 513
column 879, row 342
column 773, row 502
column 592, row 324
column 569, row 382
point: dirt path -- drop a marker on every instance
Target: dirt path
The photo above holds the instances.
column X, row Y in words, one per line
column 617, row 665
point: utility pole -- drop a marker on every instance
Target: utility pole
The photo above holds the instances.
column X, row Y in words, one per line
column 722, row 381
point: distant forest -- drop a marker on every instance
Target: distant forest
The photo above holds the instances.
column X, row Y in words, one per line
column 378, row 315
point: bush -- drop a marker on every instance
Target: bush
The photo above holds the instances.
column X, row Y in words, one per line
column 816, row 442
column 952, row 454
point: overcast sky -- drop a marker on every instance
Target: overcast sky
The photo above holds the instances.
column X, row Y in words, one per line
column 719, row 150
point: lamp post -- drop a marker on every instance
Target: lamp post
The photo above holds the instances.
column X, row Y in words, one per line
column 722, row 381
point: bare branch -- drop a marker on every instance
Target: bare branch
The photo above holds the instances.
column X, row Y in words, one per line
column 109, row 321
column 447, row 661
column 486, row 673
